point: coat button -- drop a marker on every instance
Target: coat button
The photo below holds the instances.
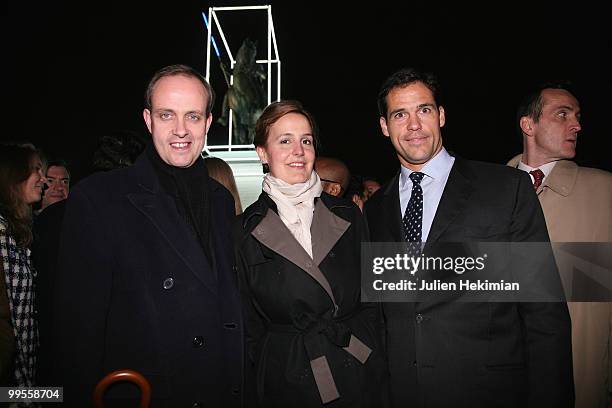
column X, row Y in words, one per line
column 419, row 318
column 331, row 255
column 198, row 341
column 414, row 363
column 168, row 283
column 196, row 405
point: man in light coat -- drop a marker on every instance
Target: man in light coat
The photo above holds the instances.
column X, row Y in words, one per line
column 577, row 204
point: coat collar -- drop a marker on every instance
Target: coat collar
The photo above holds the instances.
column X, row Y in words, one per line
column 272, row 233
column 264, row 224
column 160, row 209
column 256, row 211
column 326, row 230
column 148, row 180
column 562, row 178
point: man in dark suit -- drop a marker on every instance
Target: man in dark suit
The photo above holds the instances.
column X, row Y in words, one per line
column 462, row 354
column 145, row 278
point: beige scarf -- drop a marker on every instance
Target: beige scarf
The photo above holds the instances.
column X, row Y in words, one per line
column 295, row 203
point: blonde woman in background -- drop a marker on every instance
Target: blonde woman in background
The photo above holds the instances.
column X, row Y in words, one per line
column 222, row 172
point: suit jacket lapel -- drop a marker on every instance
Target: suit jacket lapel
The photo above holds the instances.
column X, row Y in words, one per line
column 392, row 211
column 454, row 199
column 326, row 230
column 273, row 234
column 160, row 209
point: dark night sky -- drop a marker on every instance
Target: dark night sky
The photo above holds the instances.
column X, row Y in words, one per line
column 71, row 75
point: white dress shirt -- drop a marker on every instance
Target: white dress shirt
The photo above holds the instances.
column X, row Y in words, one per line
column 436, row 173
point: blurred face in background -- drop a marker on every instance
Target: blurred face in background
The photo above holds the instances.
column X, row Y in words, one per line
column 289, row 150
column 58, row 185
column 369, row 188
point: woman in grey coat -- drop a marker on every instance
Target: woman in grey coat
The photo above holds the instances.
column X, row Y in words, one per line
column 311, row 342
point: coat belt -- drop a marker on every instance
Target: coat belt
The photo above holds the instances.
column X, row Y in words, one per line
column 337, row 333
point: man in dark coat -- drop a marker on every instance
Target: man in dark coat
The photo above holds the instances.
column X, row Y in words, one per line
column 462, row 354
column 45, row 248
column 145, row 279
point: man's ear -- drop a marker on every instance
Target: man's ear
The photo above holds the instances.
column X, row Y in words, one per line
column 208, row 122
column 383, row 126
column 526, row 124
column 442, row 115
column 336, row 189
column 146, row 114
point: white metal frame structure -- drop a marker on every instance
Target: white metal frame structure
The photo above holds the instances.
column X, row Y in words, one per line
column 272, row 59
column 242, row 158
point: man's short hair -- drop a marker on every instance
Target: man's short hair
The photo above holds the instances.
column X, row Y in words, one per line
column 532, row 104
column 274, row 112
column 184, row 70
column 405, row 77
column 58, row 163
column 369, row 178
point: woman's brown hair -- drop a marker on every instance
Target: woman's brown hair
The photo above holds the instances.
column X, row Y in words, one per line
column 16, row 161
column 273, row 113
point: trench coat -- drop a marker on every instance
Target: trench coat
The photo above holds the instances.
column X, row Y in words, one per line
column 310, row 340
column 577, row 205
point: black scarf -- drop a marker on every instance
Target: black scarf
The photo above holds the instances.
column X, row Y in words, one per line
column 191, row 190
